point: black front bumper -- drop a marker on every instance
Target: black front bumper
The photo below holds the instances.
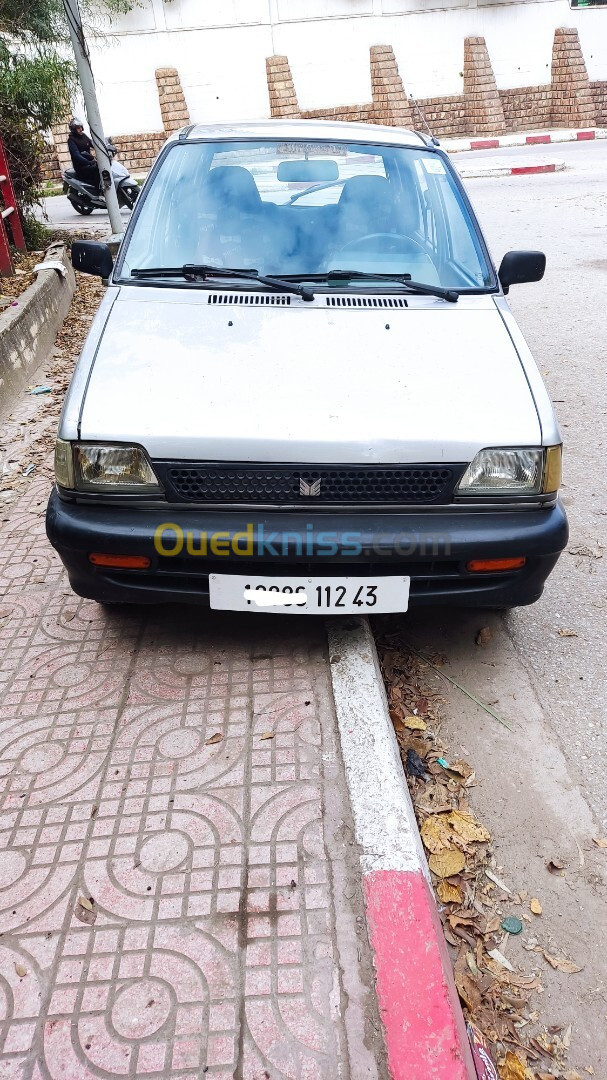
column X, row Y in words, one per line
column 432, row 548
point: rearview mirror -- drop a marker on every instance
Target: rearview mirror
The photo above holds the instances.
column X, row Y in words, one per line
column 90, row 257
column 307, row 171
column 521, row 266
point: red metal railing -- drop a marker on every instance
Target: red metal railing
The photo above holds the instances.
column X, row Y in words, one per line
column 10, row 214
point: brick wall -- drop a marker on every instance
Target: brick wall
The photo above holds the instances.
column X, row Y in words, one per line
column 138, row 152
column 50, row 164
column 527, row 107
column 569, row 100
column 445, row 116
column 349, row 113
column 599, row 96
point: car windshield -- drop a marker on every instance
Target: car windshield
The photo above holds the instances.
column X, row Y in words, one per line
column 306, row 209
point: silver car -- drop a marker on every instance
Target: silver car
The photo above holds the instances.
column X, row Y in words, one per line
column 304, row 391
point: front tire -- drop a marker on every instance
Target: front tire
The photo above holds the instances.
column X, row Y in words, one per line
column 81, row 207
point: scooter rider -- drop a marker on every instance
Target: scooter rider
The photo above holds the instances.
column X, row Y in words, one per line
column 80, row 147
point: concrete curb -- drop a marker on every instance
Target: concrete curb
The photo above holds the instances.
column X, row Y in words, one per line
column 524, row 138
column 423, row 1023
column 28, row 331
column 479, row 172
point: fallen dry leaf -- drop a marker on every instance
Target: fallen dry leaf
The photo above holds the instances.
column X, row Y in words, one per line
column 466, row 827
column 85, row 903
column 448, row 893
column 571, row 1074
column 560, row 963
column 567, row 633
column 484, row 636
column 447, row 863
column 414, row 723
column 512, row 1068
column 535, row 906
column 463, row 769
column 599, row 841
column 267, row 735
column 20, row 970
column 468, row 991
column 555, row 866
column 217, row 737
column 436, row 834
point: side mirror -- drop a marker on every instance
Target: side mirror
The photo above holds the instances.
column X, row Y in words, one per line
column 90, row 257
column 521, row 266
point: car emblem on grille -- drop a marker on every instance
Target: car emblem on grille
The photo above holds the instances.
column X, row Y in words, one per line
column 309, row 489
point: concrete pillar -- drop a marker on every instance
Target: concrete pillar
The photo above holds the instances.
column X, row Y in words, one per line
column 484, row 112
column 390, row 103
column 572, row 103
column 281, row 88
column 173, row 108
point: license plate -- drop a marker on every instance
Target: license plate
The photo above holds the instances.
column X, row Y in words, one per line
column 309, row 595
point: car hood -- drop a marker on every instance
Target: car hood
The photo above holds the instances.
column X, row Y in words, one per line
column 190, row 378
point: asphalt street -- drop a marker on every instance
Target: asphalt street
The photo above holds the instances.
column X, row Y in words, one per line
column 565, row 215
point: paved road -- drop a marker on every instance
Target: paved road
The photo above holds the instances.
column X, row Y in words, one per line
column 541, row 781
column 61, row 214
column 565, row 215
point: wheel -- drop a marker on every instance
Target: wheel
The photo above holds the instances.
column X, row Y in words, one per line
column 82, row 208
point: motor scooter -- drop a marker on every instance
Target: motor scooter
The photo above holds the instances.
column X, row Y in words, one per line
column 86, row 197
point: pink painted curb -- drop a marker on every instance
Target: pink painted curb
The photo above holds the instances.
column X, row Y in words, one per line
column 423, row 1024
column 522, row 138
column 425, row 1031
column 527, row 170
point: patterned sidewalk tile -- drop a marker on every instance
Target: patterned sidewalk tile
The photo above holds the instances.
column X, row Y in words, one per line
column 178, row 891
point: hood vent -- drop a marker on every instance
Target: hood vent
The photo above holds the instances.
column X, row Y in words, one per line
column 258, row 299
column 367, row 301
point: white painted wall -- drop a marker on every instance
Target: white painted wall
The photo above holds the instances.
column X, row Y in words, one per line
column 220, row 47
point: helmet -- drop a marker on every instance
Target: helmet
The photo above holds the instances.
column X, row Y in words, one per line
column 75, row 123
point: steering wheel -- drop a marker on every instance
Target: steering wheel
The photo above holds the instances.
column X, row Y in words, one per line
column 363, row 243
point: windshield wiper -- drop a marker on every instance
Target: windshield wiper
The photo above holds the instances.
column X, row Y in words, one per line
column 202, row 271
column 402, row 279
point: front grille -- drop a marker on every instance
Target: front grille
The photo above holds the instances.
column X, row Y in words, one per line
column 291, row 485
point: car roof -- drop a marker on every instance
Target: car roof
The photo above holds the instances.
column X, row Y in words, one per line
column 310, row 130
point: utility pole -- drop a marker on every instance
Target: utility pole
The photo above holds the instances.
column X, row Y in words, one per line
column 87, row 82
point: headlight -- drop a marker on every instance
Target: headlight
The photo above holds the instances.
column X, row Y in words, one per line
column 95, row 467
column 512, row 472
column 64, row 464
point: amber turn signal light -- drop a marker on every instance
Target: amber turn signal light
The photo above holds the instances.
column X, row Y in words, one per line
column 120, row 562
column 489, row 566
